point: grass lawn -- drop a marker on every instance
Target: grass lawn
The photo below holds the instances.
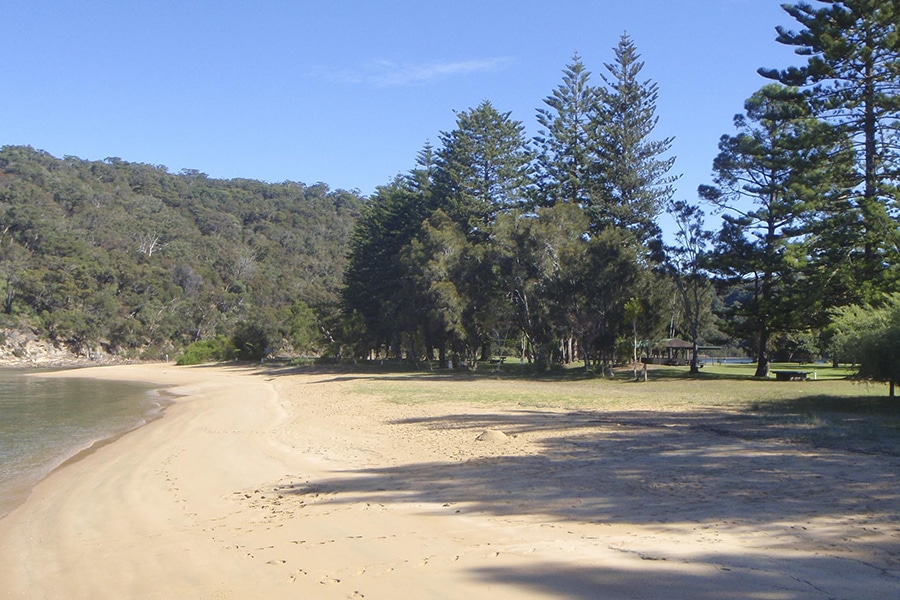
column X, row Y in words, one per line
column 829, row 410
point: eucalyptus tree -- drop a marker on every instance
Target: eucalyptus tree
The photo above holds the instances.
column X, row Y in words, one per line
column 870, row 337
column 851, row 78
column 633, row 171
column 534, row 251
column 594, row 283
column 685, row 263
column 770, row 180
column 447, row 271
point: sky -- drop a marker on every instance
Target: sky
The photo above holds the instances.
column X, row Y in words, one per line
column 347, row 92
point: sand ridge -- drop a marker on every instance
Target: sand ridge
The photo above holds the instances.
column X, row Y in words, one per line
column 278, row 484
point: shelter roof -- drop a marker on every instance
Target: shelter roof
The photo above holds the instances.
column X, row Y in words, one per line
column 676, row 343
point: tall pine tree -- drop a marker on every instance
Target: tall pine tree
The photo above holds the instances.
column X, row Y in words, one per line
column 851, row 78
column 770, row 179
column 483, row 167
column 565, row 150
column 482, row 170
column 375, row 284
column 633, row 170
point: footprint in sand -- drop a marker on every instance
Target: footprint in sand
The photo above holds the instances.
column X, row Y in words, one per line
column 297, row 574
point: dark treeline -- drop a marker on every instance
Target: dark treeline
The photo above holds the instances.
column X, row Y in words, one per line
column 127, row 258
column 497, row 244
column 549, row 249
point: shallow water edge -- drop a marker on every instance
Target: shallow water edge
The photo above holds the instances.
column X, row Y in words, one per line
column 52, row 431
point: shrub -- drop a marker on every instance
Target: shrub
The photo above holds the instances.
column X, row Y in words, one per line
column 219, row 348
column 870, row 337
column 251, row 341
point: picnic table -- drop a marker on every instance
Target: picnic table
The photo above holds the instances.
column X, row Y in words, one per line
column 791, row 375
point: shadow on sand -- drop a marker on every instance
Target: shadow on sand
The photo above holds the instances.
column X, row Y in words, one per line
column 818, row 498
column 685, row 471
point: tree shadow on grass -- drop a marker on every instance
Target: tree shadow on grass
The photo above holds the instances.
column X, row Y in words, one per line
column 864, row 424
column 869, row 425
column 404, row 371
column 409, row 371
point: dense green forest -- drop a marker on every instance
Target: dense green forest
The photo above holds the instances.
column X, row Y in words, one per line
column 129, row 259
column 547, row 248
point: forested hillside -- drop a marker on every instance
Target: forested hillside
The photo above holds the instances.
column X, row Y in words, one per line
column 117, row 257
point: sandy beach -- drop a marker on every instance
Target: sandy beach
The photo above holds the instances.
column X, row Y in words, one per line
column 267, row 483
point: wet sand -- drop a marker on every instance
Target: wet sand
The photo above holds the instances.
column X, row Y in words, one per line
column 273, row 484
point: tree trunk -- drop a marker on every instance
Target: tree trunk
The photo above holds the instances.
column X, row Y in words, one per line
column 762, row 364
column 634, row 356
column 695, row 367
column 870, row 128
column 762, row 360
column 764, row 317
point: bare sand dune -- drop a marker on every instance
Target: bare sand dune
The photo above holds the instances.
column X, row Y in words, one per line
column 266, row 484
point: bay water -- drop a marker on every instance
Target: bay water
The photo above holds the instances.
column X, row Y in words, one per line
column 46, row 421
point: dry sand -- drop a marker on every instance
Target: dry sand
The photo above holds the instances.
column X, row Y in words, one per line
column 266, row 484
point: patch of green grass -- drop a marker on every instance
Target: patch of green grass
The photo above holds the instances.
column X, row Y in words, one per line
column 816, row 371
column 830, row 411
column 729, row 387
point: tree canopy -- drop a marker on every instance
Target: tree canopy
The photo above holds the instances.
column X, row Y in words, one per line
column 852, row 51
column 510, row 244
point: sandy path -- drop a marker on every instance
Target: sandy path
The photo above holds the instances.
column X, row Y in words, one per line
column 278, row 485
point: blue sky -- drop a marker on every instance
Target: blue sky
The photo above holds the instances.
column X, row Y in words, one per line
column 347, row 92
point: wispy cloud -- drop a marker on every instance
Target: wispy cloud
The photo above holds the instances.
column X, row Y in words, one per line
column 388, row 73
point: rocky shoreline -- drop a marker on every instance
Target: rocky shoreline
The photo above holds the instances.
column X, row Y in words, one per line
column 24, row 349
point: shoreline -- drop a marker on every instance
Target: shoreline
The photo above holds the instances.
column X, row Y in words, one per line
column 95, row 485
column 158, row 413
column 18, row 489
column 268, row 482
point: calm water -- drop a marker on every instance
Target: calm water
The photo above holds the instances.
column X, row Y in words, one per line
column 44, row 422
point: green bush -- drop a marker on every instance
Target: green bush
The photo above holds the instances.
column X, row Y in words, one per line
column 204, row 351
column 869, row 336
column 251, row 341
